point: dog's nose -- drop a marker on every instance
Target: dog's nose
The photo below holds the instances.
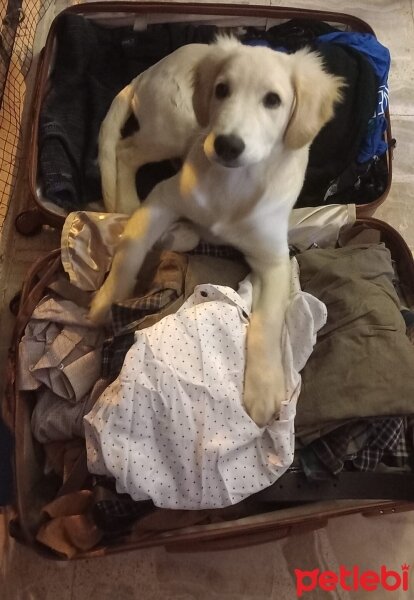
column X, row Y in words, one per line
column 228, row 147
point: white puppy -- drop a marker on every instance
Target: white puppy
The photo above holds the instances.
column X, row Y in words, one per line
column 243, row 119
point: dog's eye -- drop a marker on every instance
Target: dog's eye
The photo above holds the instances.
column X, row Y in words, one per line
column 271, row 100
column 222, row 91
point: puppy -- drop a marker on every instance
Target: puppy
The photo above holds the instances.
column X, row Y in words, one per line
column 243, row 118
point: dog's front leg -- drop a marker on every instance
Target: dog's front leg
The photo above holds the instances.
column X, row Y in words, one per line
column 264, row 385
column 142, row 230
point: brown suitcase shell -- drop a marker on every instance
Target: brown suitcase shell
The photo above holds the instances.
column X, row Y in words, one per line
column 255, row 529
column 18, row 406
column 30, row 221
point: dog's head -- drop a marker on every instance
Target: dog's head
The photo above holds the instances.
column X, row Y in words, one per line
column 252, row 99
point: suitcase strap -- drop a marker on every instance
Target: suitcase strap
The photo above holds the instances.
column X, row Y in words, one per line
column 77, row 478
column 295, row 487
column 32, row 292
column 367, row 485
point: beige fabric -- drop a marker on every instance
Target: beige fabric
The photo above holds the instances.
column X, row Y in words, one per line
column 88, row 243
column 70, row 528
column 60, row 349
column 319, row 225
column 89, row 239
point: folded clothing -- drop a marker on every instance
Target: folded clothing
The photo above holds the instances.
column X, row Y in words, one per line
column 60, row 349
column 363, row 361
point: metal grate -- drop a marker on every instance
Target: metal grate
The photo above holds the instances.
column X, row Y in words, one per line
column 18, row 22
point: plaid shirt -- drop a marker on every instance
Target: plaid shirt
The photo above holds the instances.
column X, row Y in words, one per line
column 359, row 445
column 125, row 319
column 217, row 251
column 115, row 513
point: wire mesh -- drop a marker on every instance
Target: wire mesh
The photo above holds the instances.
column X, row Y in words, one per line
column 18, row 23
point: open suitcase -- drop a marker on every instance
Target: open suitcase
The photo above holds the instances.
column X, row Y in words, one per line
column 227, row 17
column 292, row 504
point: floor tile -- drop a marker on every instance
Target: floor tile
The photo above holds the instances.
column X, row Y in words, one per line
column 370, row 542
column 398, row 211
column 402, row 165
column 126, row 576
column 245, row 574
column 30, row 577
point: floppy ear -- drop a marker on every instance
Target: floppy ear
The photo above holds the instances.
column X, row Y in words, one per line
column 205, row 74
column 316, row 93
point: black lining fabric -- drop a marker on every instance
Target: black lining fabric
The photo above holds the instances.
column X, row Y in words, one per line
column 92, row 65
column 336, row 147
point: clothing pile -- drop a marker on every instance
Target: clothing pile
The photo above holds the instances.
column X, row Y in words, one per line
column 148, row 416
column 347, row 162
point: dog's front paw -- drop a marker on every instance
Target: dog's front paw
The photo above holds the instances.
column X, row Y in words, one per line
column 100, row 309
column 263, row 395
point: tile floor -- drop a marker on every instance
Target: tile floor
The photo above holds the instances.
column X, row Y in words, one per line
column 264, row 572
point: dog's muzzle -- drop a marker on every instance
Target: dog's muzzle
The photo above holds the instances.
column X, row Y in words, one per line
column 228, row 148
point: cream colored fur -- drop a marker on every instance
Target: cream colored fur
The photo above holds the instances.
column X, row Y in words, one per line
column 244, row 202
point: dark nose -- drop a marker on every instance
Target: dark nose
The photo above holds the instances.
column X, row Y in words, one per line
column 228, row 147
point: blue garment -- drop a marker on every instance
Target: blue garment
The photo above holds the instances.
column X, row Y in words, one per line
column 256, row 42
column 379, row 58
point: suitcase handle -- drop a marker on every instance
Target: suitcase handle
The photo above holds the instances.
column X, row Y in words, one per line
column 243, row 540
column 32, row 292
column 38, row 79
column 34, row 287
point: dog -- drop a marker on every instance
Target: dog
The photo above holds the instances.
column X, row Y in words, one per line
column 243, row 119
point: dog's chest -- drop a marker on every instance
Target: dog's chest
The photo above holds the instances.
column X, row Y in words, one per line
column 219, row 199
column 229, row 207
column 242, row 207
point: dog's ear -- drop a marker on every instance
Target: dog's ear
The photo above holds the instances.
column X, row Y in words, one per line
column 316, row 93
column 205, row 74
